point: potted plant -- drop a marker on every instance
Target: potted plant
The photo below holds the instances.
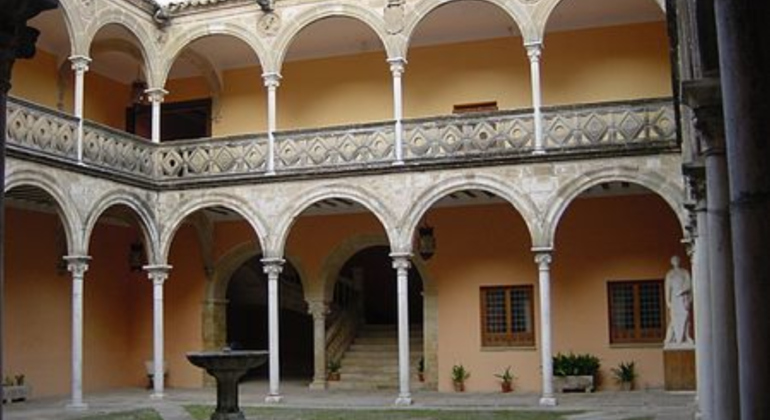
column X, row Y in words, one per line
column 459, row 376
column 333, row 370
column 506, row 380
column 625, row 375
column 575, row 372
column 421, row 369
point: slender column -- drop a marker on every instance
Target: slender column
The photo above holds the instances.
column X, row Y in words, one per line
column 534, row 51
column 80, row 67
column 318, row 309
column 401, row 263
column 273, row 268
column 543, row 259
column 702, row 299
column 272, row 81
column 744, row 58
column 156, row 96
column 77, row 265
column 397, row 69
column 158, row 275
column 720, row 264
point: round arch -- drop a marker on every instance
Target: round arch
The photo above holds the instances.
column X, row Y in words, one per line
column 136, row 28
column 507, row 191
column 322, row 11
column 514, row 9
column 174, row 50
column 238, row 205
column 141, row 210
column 374, row 205
column 71, row 23
column 670, row 192
column 66, row 210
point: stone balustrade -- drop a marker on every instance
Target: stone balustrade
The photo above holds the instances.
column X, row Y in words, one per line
column 640, row 126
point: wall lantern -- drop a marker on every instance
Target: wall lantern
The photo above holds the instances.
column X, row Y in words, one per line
column 426, row 241
column 136, row 256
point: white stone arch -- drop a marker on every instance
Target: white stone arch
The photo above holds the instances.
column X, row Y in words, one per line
column 505, row 190
column 189, row 35
column 232, row 202
column 671, row 192
column 73, row 25
column 68, row 214
column 307, row 198
column 138, row 29
column 325, row 10
column 141, row 209
column 516, row 10
column 543, row 11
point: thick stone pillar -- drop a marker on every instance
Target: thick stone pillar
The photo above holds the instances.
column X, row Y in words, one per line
column 273, row 268
column 397, row 69
column 401, row 263
column 77, row 265
column 318, row 309
column 272, row 81
column 543, row 259
column 158, row 275
column 80, row 67
column 156, row 96
column 534, row 52
column 744, row 37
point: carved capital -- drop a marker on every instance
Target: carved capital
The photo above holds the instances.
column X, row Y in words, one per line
column 543, row 258
column 156, row 95
column 272, row 267
column 534, row 51
column 77, row 265
column 397, row 66
column 17, row 40
column 157, row 273
column 317, row 308
column 704, row 97
column 272, row 80
column 401, row 261
column 80, row 63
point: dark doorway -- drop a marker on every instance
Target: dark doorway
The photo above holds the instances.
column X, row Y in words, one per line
column 178, row 120
column 373, row 269
column 247, row 319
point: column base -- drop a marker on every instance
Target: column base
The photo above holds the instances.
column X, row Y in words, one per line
column 538, row 152
column 270, row 173
column 398, row 163
column 548, row 401
column 157, row 396
column 274, row 399
column 404, row 400
column 81, row 406
column 318, row 385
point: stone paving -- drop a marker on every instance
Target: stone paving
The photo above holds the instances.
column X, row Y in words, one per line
column 597, row 406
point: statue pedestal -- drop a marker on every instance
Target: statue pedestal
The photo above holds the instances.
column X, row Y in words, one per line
column 679, row 368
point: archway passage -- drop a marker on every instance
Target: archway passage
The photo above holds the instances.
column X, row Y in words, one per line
column 247, row 327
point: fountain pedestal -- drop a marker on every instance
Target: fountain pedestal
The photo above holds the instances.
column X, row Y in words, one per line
column 227, row 367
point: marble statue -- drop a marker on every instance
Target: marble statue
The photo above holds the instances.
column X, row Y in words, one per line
column 679, row 304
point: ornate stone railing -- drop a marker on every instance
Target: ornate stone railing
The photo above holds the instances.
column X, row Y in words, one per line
column 619, row 127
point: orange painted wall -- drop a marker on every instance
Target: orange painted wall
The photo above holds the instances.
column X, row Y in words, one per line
column 36, row 80
column 609, row 239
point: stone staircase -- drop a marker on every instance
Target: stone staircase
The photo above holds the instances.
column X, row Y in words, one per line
column 371, row 362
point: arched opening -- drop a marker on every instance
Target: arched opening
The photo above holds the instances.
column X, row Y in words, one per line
column 37, row 294
column 466, row 56
column 613, row 248
column 215, row 89
column 334, row 73
column 598, row 51
column 484, row 288
column 117, row 76
column 247, row 326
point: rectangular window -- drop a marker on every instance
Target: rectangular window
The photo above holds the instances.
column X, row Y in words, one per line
column 636, row 311
column 507, row 316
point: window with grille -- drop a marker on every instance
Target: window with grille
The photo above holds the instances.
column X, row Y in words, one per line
column 507, row 316
column 636, row 311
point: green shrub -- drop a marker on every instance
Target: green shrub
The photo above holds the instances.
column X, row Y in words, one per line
column 575, row 364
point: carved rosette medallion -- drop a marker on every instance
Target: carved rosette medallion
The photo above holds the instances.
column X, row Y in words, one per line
column 269, row 24
column 394, row 16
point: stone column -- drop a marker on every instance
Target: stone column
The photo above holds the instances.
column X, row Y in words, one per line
column 80, row 67
column 401, row 263
column 273, row 268
column 543, row 259
column 743, row 35
column 705, row 100
column 156, row 96
column 158, row 275
column 77, row 265
column 272, row 81
column 534, row 51
column 318, row 309
column 397, row 69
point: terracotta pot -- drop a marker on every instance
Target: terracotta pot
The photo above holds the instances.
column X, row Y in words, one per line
column 421, row 376
column 333, row 376
column 506, row 387
column 459, row 386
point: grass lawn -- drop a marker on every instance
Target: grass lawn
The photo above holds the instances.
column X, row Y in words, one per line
column 203, row 412
column 144, row 414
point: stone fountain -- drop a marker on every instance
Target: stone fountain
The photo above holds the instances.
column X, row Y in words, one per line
column 227, row 367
